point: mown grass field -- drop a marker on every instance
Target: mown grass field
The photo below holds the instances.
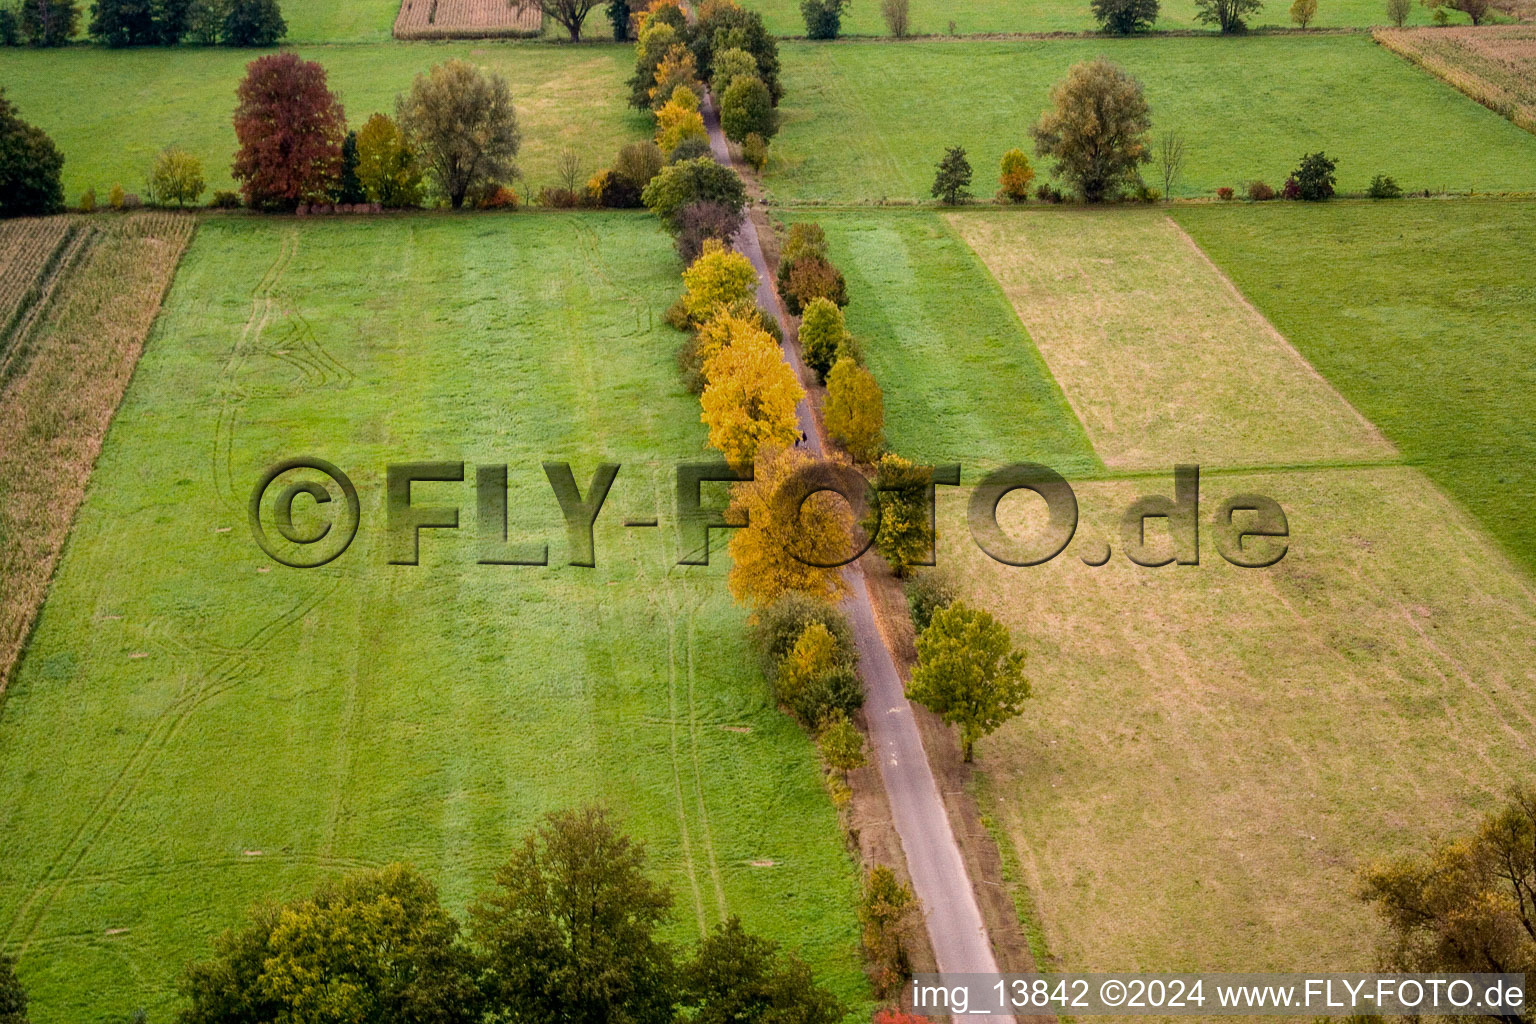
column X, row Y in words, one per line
column 1421, row 314
column 194, row 727
column 339, row 21
column 963, row 380
column 1211, row 752
column 186, row 97
column 929, row 17
column 866, row 121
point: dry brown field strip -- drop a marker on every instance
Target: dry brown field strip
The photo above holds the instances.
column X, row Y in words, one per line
column 1162, row 359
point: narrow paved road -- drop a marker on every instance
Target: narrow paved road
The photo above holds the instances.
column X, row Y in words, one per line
column 939, row 878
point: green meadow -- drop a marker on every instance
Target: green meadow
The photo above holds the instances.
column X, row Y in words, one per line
column 195, row 727
column 867, row 122
column 1417, row 312
column 186, row 97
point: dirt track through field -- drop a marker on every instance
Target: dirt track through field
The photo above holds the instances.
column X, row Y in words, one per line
column 939, row 877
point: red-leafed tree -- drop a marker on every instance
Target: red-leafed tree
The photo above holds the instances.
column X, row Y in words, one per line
column 290, row 128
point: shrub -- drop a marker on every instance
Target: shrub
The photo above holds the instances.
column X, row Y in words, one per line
column 1096, row 130
column 115, row 196
column 822, row 334
column 754, row 150
column 888, row 911
column 131, row 201
column 823, row 18
column 225, row 199
column 30, row 167
column 639, row 162
column 1314, row 178
column 289, row 126
column 13, row 998
column 811, row 277
column 805, row 238
column 253, row 23
column 1124, row 17
column 952, row 183
column 10, row 27
column 747, row 109
column 779, row 625
column 1048, row 193
column 88, row 201
column 705, row 222
column 387, row 171
column 897, row 15
column 690, row 148
column 1225, row 193
column 692, row 181
column 1291, row 189
column 1259, row 192
column 500, row 198
column 855, row 410
column 927, row 592
column 614, row 191
column 837, row 691
column 1015, row 176
column 176, row 177
column 815, row 680
column 1383, row 187
column 557, row 198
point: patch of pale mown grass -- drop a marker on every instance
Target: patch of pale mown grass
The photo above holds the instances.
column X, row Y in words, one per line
column 1161, row 358
column 80, row 354
column 1212, row 752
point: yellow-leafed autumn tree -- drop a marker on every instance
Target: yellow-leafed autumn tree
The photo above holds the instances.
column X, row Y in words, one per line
column 772, row 555
column 855, row 410
column 718, row 278
column 750, row 398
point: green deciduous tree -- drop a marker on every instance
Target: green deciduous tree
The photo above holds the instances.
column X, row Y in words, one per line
column 1096, row 129
column 823, row 18
column 952, row 183
column 253, row 23
column 139, row 22
column 30, row 167
column 1469, row 905
column 729, row 65
column 13, row 998
column 569, row 14
column 906, row 535
column 737, row 978
column 747, row 109
column 927, row 592
column 570, row 929
column 375, row 946
column 48, row 22
column 968, row 672
column 386, row 167
column 725, row 25
column 841, row 744
column 887, row 910
column 461, row 124
column 1303, row 11
column 1314, row 177
column 1229, row 15
column 823, row 335
column 1124, row 17
column 176, row 177
column 692, row 181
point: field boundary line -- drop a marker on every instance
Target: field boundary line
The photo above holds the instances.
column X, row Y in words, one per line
column 1274, row 332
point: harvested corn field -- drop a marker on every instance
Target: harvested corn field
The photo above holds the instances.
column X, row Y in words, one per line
column 1494, row 64
column 71, row 341
column 466, row 19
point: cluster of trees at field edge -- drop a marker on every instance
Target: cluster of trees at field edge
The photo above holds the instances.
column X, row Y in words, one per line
column 120, row 23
